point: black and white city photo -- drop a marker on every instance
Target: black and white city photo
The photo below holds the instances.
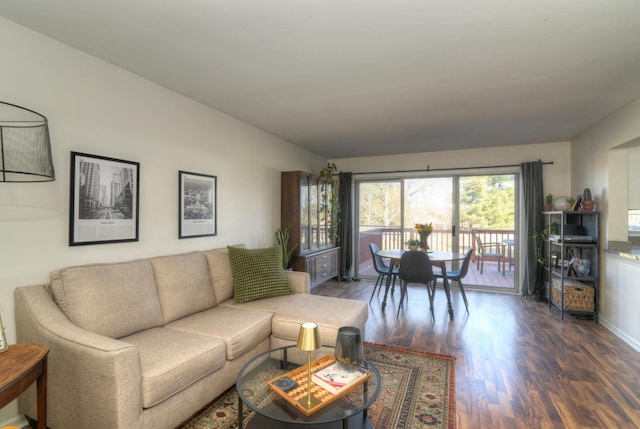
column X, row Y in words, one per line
column 197, row 201
column 104, row 200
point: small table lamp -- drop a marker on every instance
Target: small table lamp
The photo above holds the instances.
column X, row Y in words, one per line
column 308, row 341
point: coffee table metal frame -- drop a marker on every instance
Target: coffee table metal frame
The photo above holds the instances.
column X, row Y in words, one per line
column 253, row 391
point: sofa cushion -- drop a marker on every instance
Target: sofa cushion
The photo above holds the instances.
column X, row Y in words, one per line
column 240, row 329
column 291, row 311
column 109, row 299
column 172, row 360
column 257, row 274
column 184, row 284
column 220, row 272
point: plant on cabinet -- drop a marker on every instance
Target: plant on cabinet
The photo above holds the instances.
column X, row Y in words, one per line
column 570, row 203
column 588, row 203
column 328, row 171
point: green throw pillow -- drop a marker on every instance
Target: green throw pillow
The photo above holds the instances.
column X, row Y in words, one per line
column 257, row 273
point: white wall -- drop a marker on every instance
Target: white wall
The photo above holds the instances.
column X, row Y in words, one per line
column 596, row 166
column 97, row 108
column 557, row 177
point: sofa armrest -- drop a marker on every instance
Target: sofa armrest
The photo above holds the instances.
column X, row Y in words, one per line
column 93, row 381
column 299, row 281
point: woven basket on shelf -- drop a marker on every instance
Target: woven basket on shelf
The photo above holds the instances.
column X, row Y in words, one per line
column 577, row 296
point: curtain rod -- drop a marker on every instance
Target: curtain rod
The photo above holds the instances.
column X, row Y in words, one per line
column 448, row 169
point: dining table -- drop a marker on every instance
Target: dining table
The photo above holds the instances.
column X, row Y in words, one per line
column 437, row 257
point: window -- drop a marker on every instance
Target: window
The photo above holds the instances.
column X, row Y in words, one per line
column 634, row 223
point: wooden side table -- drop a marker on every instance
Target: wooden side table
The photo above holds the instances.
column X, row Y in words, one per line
column 20, row 366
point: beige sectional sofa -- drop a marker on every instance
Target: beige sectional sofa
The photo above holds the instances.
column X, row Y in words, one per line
column 147, row 343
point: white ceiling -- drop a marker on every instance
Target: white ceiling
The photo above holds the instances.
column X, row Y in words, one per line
column 347, row 78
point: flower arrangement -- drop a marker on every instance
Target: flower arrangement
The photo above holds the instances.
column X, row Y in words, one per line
column 425, row 231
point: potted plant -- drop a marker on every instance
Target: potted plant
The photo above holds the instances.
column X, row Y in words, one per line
column 327, row 172
column 282, row 238
column 587, row 201
column 548, row 203
column 540, row 238
column 413, row 244
column 570, row 203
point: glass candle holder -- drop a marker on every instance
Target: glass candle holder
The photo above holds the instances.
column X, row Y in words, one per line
column 349, row 352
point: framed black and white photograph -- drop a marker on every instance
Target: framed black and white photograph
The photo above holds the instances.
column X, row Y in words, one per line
column 104, row 200
column 3, row 339
column 197, row 201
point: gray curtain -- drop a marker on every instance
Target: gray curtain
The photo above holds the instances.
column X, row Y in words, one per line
column 345, row 225
column 533, row 223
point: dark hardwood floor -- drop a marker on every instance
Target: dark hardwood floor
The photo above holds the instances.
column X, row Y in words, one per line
column 517, row 364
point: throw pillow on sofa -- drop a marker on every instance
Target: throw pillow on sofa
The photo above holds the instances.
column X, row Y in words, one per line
column 257, row 273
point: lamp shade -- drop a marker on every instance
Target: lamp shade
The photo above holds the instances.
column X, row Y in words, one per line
column 309, row 337
column 25, row 149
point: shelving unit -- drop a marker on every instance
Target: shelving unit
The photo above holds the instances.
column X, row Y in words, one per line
column 306, row 205
column 572, row 252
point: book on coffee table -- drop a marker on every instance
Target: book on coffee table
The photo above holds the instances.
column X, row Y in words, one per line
column 299, row 376
column 333, row 379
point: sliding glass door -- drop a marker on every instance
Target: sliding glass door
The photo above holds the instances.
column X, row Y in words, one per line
column 430, row 200
column 379, row 205
column 487, row 222
column 464, row 211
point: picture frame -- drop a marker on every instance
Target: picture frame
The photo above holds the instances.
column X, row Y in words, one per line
column 3, row 339
column 197, row 201
column 104, row 200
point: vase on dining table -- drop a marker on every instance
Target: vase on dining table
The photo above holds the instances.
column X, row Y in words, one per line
column 423, row 242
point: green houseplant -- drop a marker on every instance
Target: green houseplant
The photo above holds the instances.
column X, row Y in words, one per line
column 540, row 238
column 327, row 172
column 282, row 238
column 570, row 203
column 587, row 200
column 413, row 244
column 548, row 203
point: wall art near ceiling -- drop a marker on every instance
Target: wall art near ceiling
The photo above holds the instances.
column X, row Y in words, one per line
column 104, row 200
column 198, row 207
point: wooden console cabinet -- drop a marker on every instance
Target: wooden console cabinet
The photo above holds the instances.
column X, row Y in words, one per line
column 321, row 265
column 306, row 205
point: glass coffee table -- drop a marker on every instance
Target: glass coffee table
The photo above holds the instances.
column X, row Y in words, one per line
column 273, row 411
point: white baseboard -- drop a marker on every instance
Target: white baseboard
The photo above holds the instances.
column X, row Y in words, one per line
column 18, row 421
column 618, row 333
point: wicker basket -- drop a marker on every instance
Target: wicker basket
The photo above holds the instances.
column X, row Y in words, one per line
column 577, row 296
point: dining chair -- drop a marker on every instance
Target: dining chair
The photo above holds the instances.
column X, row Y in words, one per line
column 382, row 269
column 488, row 250
column 457, row 275
column 415, row 267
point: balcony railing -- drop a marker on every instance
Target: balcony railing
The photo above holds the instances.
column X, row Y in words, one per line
column 395, row 237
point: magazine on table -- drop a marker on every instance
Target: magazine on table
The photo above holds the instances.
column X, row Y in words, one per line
column 333, row 379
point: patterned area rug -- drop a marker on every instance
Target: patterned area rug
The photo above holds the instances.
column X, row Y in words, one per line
column 418, row 391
